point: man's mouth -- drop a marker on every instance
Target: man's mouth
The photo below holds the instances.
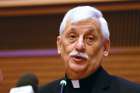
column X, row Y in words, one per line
column 78, row 58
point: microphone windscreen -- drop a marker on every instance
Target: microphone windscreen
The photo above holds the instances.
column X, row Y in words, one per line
column 28, row 79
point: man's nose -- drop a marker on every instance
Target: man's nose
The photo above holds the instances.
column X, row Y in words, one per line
column 80, row 46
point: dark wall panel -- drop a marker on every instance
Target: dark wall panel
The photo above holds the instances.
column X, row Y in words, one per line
column 124, row 27
column 40, row 31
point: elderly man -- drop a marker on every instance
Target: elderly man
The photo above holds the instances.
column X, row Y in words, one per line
column 83, row 42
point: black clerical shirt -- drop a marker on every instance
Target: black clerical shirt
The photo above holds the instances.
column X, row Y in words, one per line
column 98, row 82
column 86, row 85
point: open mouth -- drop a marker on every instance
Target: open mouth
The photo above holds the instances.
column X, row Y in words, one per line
column 78, row 58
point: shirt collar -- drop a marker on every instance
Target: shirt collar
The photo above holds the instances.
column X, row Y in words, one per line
column 89, row 81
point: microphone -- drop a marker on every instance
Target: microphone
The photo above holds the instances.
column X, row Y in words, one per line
column 28, row 83
column 63, row 83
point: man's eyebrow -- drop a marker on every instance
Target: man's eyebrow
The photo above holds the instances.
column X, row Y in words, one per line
column 91, row 28
column 73, row 28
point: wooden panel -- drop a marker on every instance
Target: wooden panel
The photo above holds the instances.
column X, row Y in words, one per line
column 46, row 68
column 29, row 32
column 20, row 8
column 16, row 3
column 123, row 62
column 126, row 66
column 124, row 27
column 39, row 32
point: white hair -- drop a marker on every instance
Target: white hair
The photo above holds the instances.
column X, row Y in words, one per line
column 84, row 12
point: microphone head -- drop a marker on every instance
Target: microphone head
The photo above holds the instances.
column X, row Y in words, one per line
column 63, row 82
column 28, row 79
column 23, row 89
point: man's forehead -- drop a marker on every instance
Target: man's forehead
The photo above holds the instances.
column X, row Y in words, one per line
column 88, row 23
column 82, row 27
column 85, row 21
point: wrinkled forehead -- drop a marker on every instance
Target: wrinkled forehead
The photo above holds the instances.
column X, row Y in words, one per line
column 89, row 23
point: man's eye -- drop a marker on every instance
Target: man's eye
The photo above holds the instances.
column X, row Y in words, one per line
column 72, row 37
column 90, row 39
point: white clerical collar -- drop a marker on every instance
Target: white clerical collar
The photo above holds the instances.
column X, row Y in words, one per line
column 75, row 83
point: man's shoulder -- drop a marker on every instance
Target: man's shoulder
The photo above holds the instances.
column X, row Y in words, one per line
column 50, row 87
column 125, row 85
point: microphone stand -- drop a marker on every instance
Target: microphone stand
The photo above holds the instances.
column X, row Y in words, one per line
column 63, row 83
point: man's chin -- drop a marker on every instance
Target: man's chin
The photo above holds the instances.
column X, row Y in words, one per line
column 76, row 72
column 77, row 67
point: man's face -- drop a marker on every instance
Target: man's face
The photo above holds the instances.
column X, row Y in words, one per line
column 81, row 46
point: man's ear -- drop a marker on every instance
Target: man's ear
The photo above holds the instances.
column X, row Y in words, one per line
column 59, row 44
column 106, row 47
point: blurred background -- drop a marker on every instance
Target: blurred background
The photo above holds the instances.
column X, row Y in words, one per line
column 28, row 31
